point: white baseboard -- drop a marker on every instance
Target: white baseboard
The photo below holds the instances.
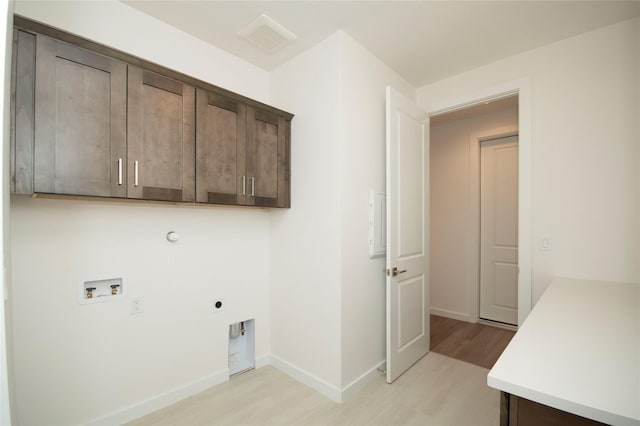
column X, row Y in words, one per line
column 305, row 378
column 263, row 360
column 157, row 402
column 172, row 396
column 361, row 381
column 453, row 315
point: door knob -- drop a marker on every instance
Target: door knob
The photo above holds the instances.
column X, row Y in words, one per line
column 394, row 271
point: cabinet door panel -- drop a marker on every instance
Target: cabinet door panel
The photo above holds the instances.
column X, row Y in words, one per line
column 82, row 113
column 161, row 154
column 267, row 159
column 80, row 121
column 266, row 150
column 220, row 150
column 23, row 74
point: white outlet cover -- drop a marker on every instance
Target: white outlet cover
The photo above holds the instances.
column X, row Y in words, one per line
column 136, row 305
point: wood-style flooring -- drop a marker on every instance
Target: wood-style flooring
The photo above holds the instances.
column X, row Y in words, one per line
column 436, row 391
column 477, row 344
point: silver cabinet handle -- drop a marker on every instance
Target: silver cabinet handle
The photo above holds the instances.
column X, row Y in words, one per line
column 244, row 185
column 119, row 171
column 253, row 187
column 135, row 173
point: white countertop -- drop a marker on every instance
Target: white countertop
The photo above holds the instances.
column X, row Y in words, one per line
column 578, row 351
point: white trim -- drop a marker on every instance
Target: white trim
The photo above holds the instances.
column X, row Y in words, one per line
column 521, row 87
column 7, row 387
column 453, row 315
column 308, row 379
column 150, row 405
column 487, row 95
column 525, row 164
column 355, row 386
column 262, row 361
column 157, row 402
column 465, row 103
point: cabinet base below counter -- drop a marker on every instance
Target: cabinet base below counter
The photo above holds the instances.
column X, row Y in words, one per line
column 577, row 352
column 516, row 411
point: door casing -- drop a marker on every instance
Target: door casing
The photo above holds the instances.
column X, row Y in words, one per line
column 522, row 88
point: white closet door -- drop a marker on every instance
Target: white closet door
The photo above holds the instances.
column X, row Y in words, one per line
column 499, row 230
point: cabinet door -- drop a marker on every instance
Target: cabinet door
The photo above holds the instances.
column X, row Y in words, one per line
column 80, row 121
column 267, row 159
column 220, row 147
column 161, row 139
column 23, row 73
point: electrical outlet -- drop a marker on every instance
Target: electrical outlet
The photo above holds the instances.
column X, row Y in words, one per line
column 137, row 305
column 218, row 305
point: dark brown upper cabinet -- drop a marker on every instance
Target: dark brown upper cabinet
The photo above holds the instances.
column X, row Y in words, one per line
column 220, row 148
column 23, row 75
column 161, row 137
column 89, row 120
column 80, row 121
column 267, row 159
column 242, row 153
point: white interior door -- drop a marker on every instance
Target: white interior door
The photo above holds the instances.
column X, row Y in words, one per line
column 407, row 234
column 499, row 230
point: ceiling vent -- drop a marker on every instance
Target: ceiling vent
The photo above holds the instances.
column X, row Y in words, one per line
column 267, row 34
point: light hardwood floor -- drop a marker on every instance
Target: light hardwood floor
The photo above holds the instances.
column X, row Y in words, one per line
column 436, row 391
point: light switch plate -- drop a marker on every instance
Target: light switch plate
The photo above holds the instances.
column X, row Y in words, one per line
column 544, row 243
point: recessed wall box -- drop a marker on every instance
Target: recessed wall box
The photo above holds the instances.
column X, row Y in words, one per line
column 242, row 356
column 377, row 224
column 101, row 290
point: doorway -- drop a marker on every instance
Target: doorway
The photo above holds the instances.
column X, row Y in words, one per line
column 456, row 249
column 518, row 92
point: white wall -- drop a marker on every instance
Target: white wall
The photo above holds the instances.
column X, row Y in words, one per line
column 362, row 149
column 305, row 240
column 75, row 363
column 6, row 19
column 322, row 276
column 453, row 275
column 585, row 149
